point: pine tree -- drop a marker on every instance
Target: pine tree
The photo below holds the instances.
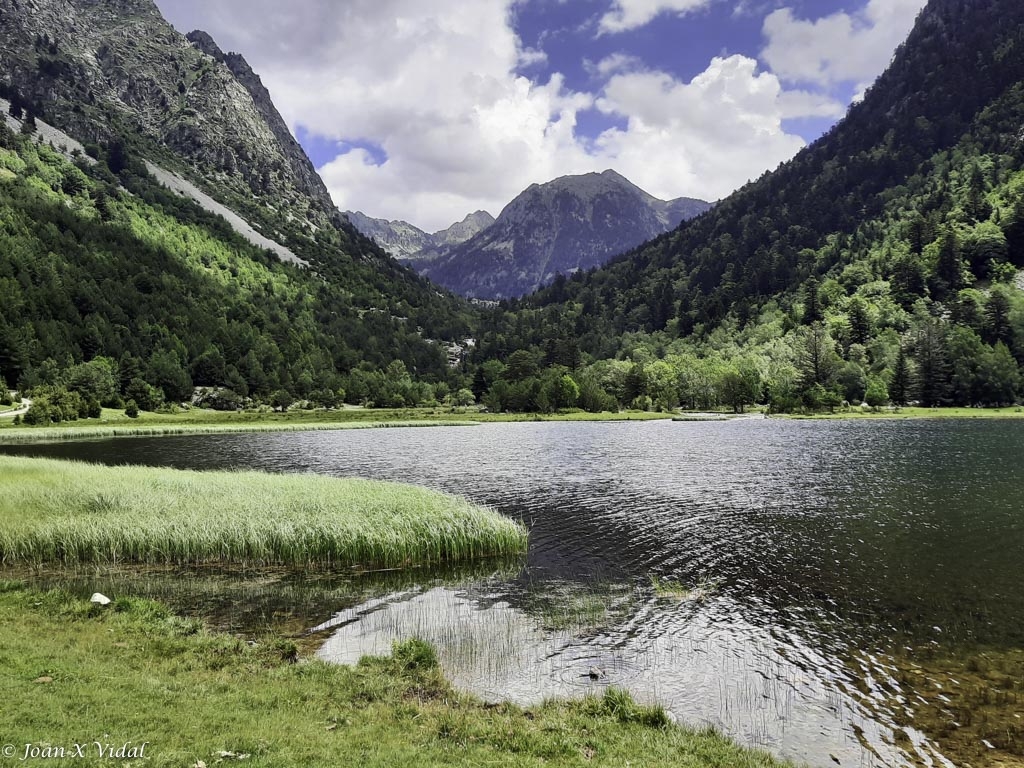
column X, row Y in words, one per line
column 932, row 364
column 997, row 319
column 948, row 270
column 860, row 323
column 812, row 302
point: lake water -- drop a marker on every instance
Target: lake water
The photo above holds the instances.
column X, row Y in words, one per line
column 859, row 585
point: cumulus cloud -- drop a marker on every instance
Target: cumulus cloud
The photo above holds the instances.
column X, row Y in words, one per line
column 843, row 47
column 437, row 85
column 631, row 14
column 712, row 134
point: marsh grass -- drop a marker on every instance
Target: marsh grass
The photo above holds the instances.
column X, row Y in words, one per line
column 74, row 513
column 563, row 605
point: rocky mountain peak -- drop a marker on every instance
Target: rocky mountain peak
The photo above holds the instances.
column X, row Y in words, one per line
column 565, row 225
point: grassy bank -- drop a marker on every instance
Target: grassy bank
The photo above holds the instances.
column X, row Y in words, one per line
column 1014, row 412
column 115, row 423
column 81, row 430
column 74, row 513
column 75, row 673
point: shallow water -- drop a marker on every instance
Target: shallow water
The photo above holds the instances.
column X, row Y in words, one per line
column 843, row 555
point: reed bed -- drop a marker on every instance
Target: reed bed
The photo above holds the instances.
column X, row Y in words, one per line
column 74, row 513
column 47, row 434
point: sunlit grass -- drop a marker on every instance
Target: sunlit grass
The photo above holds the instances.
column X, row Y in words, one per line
column 74, row 513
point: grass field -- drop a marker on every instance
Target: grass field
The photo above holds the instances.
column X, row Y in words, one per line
column 132, row 673
column 79, row 430
column 1013, row 412
column 75, row 513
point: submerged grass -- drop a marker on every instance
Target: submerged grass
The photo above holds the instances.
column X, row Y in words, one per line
column 133, row 672
column 74, row 513
column 670, row 589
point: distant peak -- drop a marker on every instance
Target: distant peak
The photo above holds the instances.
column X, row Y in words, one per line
column 480, row 215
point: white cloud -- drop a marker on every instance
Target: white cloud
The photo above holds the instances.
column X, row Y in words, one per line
column 705, row 137
column 616, row 62
column 436, row 84
column 631, row 14
column 841, row 48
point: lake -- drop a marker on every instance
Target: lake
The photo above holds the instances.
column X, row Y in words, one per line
column 836, row 592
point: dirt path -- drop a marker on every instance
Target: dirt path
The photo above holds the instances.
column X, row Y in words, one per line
column 21, row 411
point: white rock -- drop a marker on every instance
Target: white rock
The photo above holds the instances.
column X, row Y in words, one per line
column 100, row 599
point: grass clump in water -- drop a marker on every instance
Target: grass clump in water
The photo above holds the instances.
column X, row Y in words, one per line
column 669, row 589
column 74, row 513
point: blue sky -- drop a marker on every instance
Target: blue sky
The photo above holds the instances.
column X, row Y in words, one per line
column 427, row 110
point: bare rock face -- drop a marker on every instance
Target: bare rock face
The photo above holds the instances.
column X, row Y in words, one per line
column 99, row 68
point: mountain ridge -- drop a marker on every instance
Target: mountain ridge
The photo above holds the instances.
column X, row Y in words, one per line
column 570, row 223
column 408, row 243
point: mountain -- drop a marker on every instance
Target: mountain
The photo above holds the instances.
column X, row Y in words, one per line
column 569, row 224
column 954, row 86
column 103, row 70
column 884, row 255
column 195, row 229
column 411, row 244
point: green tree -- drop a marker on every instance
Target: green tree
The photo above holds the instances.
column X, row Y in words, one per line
column 901, row 379
column 521, row 364
column 948, row 275
column 860, row 322
column 282, row 399
column 999, row 379
column 812, row 301
column 145, row 396
column 932, row 363
column 740, row 384
column 463, row 398
column 96, row 380
column 997, row 318
column 877, row 394
column 817, row 356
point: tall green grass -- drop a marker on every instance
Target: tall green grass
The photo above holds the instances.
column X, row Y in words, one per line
column 74, row 513
column 47, row 434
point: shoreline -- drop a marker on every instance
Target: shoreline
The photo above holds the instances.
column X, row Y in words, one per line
column 195, row 696
column 115, row 424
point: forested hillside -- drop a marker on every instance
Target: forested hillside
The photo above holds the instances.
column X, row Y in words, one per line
column 119, row 289
column 880, row 263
